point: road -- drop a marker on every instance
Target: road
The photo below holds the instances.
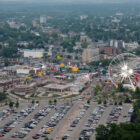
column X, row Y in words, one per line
column 105, row 115
column 124, row 112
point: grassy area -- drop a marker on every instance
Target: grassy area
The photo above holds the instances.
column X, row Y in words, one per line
column 73, row 95
column 46, row 94
column 53, row 95
column 56, row 95
column 21, row 96
column 33, row 95
column 7, row 100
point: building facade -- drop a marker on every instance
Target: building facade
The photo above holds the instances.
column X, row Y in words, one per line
column 90, row 55
column 43, row 19
column 35, row 53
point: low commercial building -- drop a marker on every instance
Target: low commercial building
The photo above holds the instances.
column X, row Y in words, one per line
column 8, row 83
column 35, row 53
column 25, row 89
column 57, row 87
column 109, row 51
column 23, row 71
column 131, row 46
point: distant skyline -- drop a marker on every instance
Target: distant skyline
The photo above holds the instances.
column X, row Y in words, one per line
column 74, row 1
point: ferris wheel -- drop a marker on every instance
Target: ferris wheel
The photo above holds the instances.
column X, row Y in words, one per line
column 125, row 68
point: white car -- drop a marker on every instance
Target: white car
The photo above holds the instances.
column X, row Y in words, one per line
column 12, row 126
column 70, row 129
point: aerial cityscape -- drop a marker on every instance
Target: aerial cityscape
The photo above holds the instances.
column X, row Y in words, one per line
column 69, row 70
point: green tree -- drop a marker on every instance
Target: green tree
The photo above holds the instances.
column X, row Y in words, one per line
column 37, row 102
column 6, row 62
column 136, row 113
column 115, row 103
column 55, row 101
column 11, row 104
column 101, row 132
column 2, row 96
column 127, row 137
column 46, row 138
column 123, row 131
column 127, row 100
column 84, row 44
column 137, row 93
column 99, row 101
column 120, row 103
column 17, row 104
column 9, row 52
column 120, row 87
column 67, row 102
column 6, row 103
column 88, row 101
column 50, row 101
column 97, row 89
column 105, row 102
column 33, row 101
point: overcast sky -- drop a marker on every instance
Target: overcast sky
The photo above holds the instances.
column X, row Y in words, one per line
column 69, row 1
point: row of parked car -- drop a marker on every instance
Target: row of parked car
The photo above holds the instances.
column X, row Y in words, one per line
column 76, row 121
column 5, row 113
column 17, row 118
column 33, row 122
column 92, row 122
column 49, row 126
column 114, row 114
column 80, row 116
column 129, row 116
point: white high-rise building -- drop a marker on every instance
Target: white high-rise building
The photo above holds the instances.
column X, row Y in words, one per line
column 111, row 43
column 116, row 43
column 43, row 19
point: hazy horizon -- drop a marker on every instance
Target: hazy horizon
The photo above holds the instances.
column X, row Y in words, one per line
column 74, row 1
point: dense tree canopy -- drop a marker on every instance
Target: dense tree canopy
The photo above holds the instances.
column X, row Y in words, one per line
column 2, row 96
column 122, row 131
column 9, row 52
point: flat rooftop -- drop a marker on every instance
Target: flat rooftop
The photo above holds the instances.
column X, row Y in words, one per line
column 57, row 86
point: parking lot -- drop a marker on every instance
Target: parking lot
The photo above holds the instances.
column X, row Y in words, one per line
column 74, row 132
column 11, row 114
column 95, row 115
column 70, row 121
column 36, row 130
column 17, row 119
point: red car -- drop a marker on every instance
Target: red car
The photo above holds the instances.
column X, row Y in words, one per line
column 1, row 135
column 115, row 119
column 35, row 137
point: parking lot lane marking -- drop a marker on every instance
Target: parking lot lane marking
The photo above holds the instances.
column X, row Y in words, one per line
column 66, row 121
column 81, row 125
column 105, row 115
